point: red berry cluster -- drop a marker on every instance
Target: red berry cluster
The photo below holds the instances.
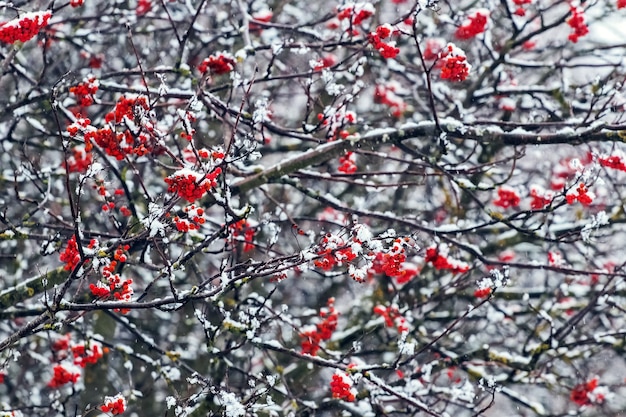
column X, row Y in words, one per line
column 62, row 376
column 322, row 331
column 121, row 289
column 76, row 3
column 191, row 185
column 341, row 387
column 143, row 7
column 540, row 197
column 615, row 161
column 71, row 255
column 244, row 227
column 114, row 405
column 24, row 28
column 453, row 64
column 326, row 61
column 333, row 252
column 221, row 63
column 386, row 94
column 473, row 25
column 577, row 22
column 580, row 194
column 392, row 263
column 79, row 161
column 85, row 91
column 127, row 107
column 336, row 123
column 438, row 257
column 347, row 163
column 195, row 219
column 581, row 392
column 520, row 11
column 482, row 292
column 433, row 47
column 386, row 50
column 392, row 317
column 356, row 13
column 86, row 354
column 507, row 197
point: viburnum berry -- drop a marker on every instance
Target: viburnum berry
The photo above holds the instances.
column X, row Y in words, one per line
column 507, row 197
column 621, row 4
column 582, row 394
column 218, row 64
column 24, row 28
column 76, row 3
column 62, row 376
column 473, row 25
column 114, row 405
column 191, row 185
column 580, row 194
column 577, row 22
column 438, row 256
column 347, row 163
column 432, row 48
column 613, row 161
column 85, row 90
column 341, row 386
column 386, row 94
column 143, row 7
column 540, row 197
column 71, row 255
column 313, row 336
column 453, row 64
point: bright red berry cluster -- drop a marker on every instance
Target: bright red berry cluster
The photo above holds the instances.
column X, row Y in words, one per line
column 24, row 28
column 577, row 23
column 86, row 354
column 62, row 376
column 143, row 7
column 356, row 13
column 336, row 122
column 244, row 227
column 114, row 405
column 85, row 91
column 387, row 50
column 540, row 197
column 580, row 194
column 71, row 255
column 507, row 197
column 326, row 61
column 322, row 331
column 473, row 25
column 614, row 161
column 433, row 47
column 437, row 255
column 195, row 219
column 392, row 263
column 79, row 161
column 392, row 317
column 453, row 64
column 582, row 393
column 386, row 94
column 332, row 252
column 341, row 386
column 218, row 64
column 482, row 292
column 347, row 163
column 76, row 3
column 127, row 107
column 191, row 185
